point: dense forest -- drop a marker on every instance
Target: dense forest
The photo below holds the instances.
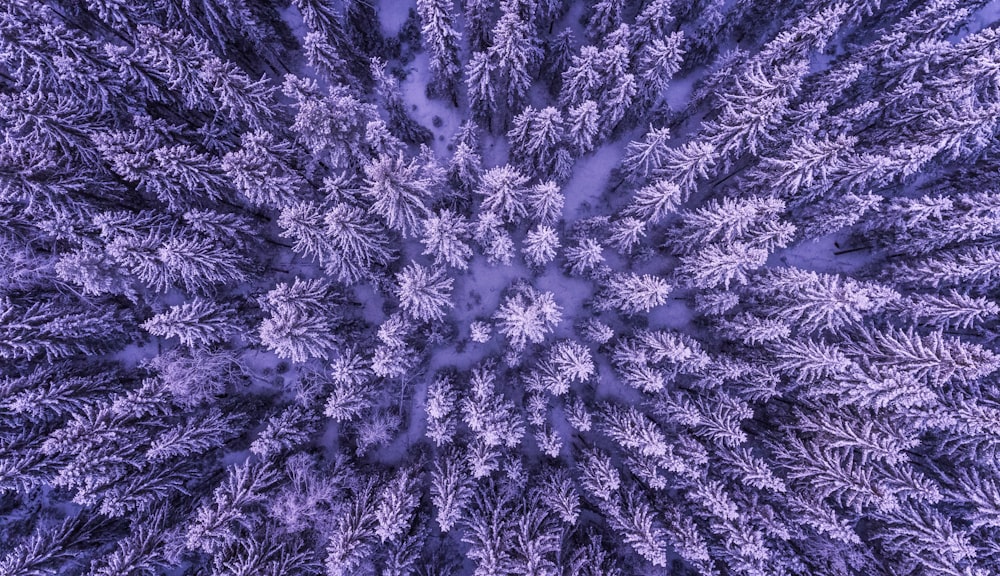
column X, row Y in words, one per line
column 515, row 287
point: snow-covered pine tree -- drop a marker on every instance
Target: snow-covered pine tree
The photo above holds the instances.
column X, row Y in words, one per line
column 55, row 328
column 351, row 377
column 527, row 315
column 540, row 245
column 659, row 59
column 514, row 54
column 399, row 191
column 331, row 126
column 194, row 436
column 598, row 475
column 504, row 189
column 263, row 170
column 424, row 293
column 359, row 246
column 637, row 524
column 301, row 320
column 442, row 41
column 353, row 537
column 479, row 72
column 814, row 302
column 536, row 139
column 559, row 494
column 451, row 490
column 584, row 256
column 545, row 202
column 492, row 418
column 634, row 293
column 582, row 127
column 397, row 504
column 445, row 235
column 465, row 164
column 198, row 322
column 290, row 429
column 442, row 399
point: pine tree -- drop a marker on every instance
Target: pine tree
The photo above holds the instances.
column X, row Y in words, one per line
column 819, row 302
column 654, row 21
column 951, row 309
column 572, row 360
column 300, row 323
column 625, row 233
column 263, row 170
column 50, row 548
column 424, row 293
column 618, row 101
column 200, row 262
column 444, row 237
column 238, row 96
column 327, row 58
column 644, row 157
column 540, row 245
column 933, row 357
column 749, row 220
column 536, row 139
column 655, row 201
column 488, row 528
column 442, row 399
column 582, row 127
column 605, row 16
column 586, row 255
column 976, row 267
column 332, row 127
column 290, row 429
column 559, row 494
column 491, row 417
column 358, row 245
column 659, row 60
column 399, row 191
column 804, row 169
column 303, row 223
column 634, row 293
column 598, row 475
column 396, row 506
column 192, row 437
column 441, row 40
column 318, row 14
column 465, row 164
column 685, row 164
column 753, row 109
column 721, row 265
column 635, row 431
column 505, row 190
column 351, row 376
column 450, row 490
column 514, row 53
column 198, row 322
column 526, row 315
column 545, row 202
column 351, row 541
column 55, row 329
column 142, row 551
column 215, row 521
column 536, row 541
column 479, row 84
column 637, row 524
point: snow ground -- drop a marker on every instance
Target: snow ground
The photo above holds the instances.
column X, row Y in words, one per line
column 425, row 111
column 591, row 175
column 392, row 14
column 820, row 255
